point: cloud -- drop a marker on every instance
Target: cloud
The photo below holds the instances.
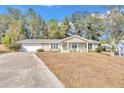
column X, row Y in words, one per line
column 56, row 6
column 48, row 5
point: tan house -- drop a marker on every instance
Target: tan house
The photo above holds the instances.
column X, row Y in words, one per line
column 70, row 44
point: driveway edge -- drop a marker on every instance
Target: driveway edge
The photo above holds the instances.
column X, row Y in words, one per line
column 53, row 78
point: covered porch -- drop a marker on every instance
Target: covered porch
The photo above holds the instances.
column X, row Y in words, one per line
column 74, row 47
column 77, row 44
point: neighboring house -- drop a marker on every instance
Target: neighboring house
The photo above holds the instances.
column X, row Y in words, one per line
column 70, row 44
column 120, row 48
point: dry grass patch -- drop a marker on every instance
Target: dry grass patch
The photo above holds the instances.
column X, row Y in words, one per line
column 3, row 49
column 85, row 69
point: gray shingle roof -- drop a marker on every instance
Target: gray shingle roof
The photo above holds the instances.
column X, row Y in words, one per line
column 40, row 41
column 53, row 40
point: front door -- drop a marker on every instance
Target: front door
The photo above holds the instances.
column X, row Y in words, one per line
column 90, row 47
column 74, row 47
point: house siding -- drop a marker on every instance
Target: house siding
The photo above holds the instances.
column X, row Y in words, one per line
column 120, row 48
column 34, row 47
column 65, row 45
column 74, row 39
column 46, row 46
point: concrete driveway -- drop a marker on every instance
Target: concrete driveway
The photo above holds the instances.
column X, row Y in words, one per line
column 26, row 70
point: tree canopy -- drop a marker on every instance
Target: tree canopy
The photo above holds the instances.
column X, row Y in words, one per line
column 16, row 25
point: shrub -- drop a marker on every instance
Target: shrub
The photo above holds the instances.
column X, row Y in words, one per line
column 6, row 41
column 0, row 41
column 113, row 48
column 103, row 49
column 99, row 48
column 40, row 50
column 15, row 47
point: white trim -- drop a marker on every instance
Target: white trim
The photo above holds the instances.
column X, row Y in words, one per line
column 75, row 36
column 68, row 47
column 87, row 46
column 61, row 47
column 93, row 47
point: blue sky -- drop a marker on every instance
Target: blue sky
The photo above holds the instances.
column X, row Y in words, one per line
column 57, row 12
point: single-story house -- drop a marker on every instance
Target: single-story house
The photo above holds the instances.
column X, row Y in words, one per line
column 73, row 43
column 120, row 48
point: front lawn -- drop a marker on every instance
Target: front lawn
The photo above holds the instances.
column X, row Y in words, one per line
column 85, row 69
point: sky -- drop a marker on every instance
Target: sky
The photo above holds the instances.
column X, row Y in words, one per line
column 56, row 12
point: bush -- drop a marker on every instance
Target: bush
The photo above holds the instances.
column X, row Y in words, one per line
column 103, row 49
column 0, row 41
column 40, row 50
column 113, row 48
column 15, row 47
column 99, row 48
column 6, row 41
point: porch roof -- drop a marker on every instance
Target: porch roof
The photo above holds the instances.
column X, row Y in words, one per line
column 40, row 41
column 78, row 39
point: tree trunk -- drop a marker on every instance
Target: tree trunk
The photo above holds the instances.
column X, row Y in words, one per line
column 113, row 47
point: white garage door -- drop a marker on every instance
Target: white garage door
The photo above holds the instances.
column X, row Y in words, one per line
column 30, row 47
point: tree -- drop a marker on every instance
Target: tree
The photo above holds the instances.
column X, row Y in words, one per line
column 35, row 23
column 64, row 28
column 77, row 21
column 13, row 13
column 13, row 19
column 15, row 31
column 94, row 27
column 45, row 33
column 3, row 26
column 25, row 32
column 53, row 29
column 114, row 25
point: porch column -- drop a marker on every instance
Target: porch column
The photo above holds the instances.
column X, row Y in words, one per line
column 68, row 46
column 78, row 50
column 87, row 46
column 93, row 48
column 61, row 46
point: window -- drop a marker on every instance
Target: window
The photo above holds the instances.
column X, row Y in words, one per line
column 54, row 46
column 89, row 46
column 74, row 45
